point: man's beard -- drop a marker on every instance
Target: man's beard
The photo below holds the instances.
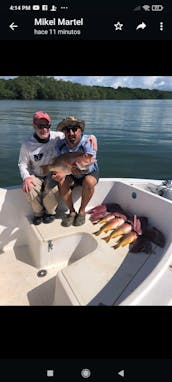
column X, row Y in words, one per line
column 72, row 139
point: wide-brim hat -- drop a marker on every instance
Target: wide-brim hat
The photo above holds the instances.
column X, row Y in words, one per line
column 70, row 121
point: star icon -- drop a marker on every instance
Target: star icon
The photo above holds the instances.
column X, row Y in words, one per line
column 118, row 26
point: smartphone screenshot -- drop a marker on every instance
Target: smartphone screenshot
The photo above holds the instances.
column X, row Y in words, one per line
column 85, row 190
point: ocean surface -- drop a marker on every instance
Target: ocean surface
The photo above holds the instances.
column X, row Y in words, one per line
column 134, row 137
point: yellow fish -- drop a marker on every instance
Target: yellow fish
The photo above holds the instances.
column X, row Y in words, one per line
column 105, row 219
column 114, row 223
column 127, row 239
column 123, row 229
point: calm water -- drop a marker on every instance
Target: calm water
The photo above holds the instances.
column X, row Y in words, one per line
column 134, row 137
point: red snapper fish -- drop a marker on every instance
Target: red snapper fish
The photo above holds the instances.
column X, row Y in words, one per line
column 96, row 216
column 97, row 209
column 66, row 162
column 126, row 239
column 97, row 212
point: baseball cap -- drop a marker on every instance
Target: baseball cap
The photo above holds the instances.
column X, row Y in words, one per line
column 41, row 114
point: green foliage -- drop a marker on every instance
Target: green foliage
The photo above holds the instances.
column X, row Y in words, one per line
column 48, row 88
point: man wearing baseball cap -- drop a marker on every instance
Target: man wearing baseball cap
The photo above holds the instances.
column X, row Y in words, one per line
column 39, row 149
column 36, row 151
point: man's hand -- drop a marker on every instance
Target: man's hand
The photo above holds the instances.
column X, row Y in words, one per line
column 58, row 176
column 92, row 139
column 28, row 184
column 77, row 171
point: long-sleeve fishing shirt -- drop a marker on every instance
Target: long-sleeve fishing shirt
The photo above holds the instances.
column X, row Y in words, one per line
column 34, row 154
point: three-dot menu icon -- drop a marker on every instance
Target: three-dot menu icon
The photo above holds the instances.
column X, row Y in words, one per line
column 161, row 26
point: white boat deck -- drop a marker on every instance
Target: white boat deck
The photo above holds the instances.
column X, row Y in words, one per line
column 88, row 275
column 85, row 275
column 82, row 269
column 18, row 280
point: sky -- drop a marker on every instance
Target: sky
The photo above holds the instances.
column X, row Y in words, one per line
column 144, row 82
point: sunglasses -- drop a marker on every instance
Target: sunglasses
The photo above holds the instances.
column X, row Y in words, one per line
column 73, row 128
column 43, row 126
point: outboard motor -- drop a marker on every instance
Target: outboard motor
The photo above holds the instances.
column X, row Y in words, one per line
column 165, row 189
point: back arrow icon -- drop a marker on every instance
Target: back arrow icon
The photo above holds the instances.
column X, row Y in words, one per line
column 13, row 26
column 121, row 373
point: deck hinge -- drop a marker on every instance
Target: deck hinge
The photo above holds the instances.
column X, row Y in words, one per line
column 50, row 245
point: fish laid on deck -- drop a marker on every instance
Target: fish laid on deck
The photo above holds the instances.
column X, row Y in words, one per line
column 142, row 244
column 97, row 209
column 122, row 230
column 97, row 212
column 97, row 216
column 107, row 217
column 126, row 239
column 114, row 223
column 104, row 219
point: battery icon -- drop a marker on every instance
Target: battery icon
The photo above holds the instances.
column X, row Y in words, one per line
column 157, row 7
column 44, row 7
column 35, row 7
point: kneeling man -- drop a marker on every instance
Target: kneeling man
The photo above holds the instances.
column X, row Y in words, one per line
column 76, row 141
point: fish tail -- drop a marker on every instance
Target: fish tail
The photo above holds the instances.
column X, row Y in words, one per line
column 106, row 238
column 124, row 243
column 97, row 232
column 117, row 245
column 116, row 234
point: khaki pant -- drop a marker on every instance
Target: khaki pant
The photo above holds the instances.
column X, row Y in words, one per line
column 43, row 196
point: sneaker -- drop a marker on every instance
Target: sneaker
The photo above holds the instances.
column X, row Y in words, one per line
column 48, row 218
column 79, row 220
column 37, row 220
column 68, row 220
